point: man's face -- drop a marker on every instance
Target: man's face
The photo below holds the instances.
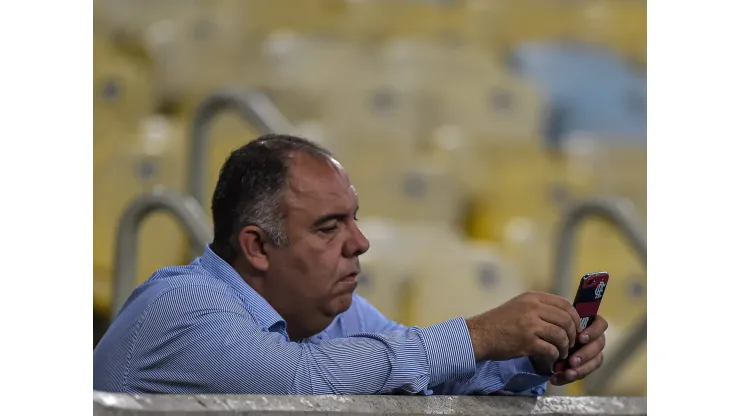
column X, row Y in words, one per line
column 314, row 276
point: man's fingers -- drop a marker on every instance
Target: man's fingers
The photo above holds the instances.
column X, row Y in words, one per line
column 595, row 330
column 562, row 319
column 572, row 374
column 588, row 367
column 559, row 379
column 563, row 304
column 556, row 336
column 546, row 351
column 587, row 352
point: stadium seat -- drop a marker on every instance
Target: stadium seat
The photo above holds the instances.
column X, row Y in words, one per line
column 631, row 378
column 381, row 20
column 460, row 279
column 308, row 16
column 607, row 165
column 124, row 89
column 493, row 105
column 386, row 268
column 227, row 132
column 622, row 26
column 517, row 206
column 599, row 247
column 617, row 25
column 371, row 122
column 417, row 192
column 150, row 157
column 293, row 60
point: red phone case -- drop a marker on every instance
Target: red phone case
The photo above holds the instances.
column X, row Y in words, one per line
column 588, row 299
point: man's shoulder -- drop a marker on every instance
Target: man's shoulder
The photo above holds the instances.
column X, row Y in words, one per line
column 185, row 288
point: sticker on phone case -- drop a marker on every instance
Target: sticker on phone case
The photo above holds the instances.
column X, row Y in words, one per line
column 599, row 290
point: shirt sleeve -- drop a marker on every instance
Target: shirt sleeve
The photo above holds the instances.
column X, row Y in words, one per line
column 217, row 347
column 511, row 377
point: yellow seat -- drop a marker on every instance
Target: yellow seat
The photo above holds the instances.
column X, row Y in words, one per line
column 486, row 132
column 228, row 132
column 596, row 167
column 370, row 122
column 517, row 206
column 385, row 277
column 194, row 48
column 460, row 279
column 599, row 247
column 507, row 23
column 380, row 20
column 310, row 16
column 600, row 164
column 124, row 89
column 617, row 25
column 390, row 269
column 417, row 192
column 292, row 60
column 622, row 26
column 631, row 378
column 146, row 158
column 486, row 101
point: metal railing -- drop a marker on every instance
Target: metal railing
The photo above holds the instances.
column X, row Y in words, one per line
column 254, row 107
column 186, row 211
column 620, row 214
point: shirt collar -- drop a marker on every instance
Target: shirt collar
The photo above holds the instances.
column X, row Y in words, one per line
column 260, row 309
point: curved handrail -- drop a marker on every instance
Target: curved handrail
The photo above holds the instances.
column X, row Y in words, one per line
column 615, row 210
column 253, row 106
column 185, row 210
column 619, row 213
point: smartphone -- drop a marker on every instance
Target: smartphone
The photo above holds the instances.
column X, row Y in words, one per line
column 588, row 299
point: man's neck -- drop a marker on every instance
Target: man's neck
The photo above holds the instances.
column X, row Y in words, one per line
column 292, row 317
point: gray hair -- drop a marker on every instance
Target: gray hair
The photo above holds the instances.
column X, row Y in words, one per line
column 266, row 214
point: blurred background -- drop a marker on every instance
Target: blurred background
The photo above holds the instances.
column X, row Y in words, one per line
column 497, row 146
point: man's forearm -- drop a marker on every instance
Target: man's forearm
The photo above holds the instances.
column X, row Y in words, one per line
column 510, row 378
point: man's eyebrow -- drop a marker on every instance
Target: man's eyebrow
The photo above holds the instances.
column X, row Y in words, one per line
column 329, row 217
column 335, row 216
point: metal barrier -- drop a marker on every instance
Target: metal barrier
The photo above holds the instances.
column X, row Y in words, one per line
column 619, row 213
column 253, row 106
column 108, row 404
column 186, row 211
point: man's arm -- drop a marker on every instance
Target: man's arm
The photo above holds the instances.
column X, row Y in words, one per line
column 218, row 348
column 511, row 377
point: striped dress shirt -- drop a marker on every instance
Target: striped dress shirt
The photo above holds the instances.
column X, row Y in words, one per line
column 201, row 329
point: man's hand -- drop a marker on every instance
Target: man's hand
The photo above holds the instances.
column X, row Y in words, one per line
column 588, row 358
column 531, row 324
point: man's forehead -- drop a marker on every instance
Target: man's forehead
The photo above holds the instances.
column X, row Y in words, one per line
column 319, row 179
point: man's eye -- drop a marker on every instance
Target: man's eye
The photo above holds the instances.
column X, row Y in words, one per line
column 328, row 230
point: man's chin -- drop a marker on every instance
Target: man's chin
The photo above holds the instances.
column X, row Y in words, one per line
column 340, row 304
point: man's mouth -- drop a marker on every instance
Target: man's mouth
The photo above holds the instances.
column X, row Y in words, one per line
column 350, row 278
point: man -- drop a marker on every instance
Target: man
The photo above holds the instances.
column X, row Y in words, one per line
column 269, row 307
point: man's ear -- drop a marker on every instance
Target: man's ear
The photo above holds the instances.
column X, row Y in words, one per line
column 252, row 244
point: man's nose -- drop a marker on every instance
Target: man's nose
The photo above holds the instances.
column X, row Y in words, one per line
column 357, row 244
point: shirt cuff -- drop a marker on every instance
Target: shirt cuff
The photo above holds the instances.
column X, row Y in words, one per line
column 449, row 351
column 518, row 375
